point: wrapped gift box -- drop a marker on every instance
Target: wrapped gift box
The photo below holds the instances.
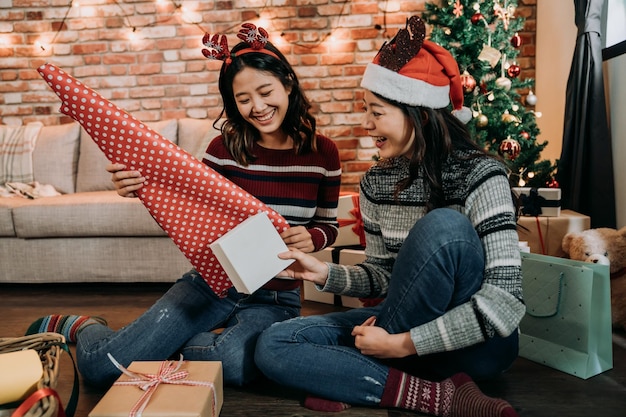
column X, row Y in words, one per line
column 169, row 399
column 350, row 222
column 544, row 234
column 336, row 255
column 539, row 201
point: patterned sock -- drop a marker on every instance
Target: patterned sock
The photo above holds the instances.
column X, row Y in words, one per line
column 322, row 404
column 68, row 326
column 457, row 396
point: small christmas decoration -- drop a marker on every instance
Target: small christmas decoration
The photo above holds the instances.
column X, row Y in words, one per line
column 504, row 83
column 476, row 18
column 468, row 82
column 509, row 118
column 513, row 70
column 509, row 149
column 531, row 98
column 553, row 183
column 482, row 120
column 516, row 40
column 524, row 135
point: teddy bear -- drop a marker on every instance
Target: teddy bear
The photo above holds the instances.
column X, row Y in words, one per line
column 604, row 246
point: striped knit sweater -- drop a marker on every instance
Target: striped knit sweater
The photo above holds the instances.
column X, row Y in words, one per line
column 303, row 188
column 476, row 187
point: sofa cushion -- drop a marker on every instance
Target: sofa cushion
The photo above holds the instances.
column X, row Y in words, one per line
column 55, row 158
column 96, row 213
column 7, row 204
column 17, row 144
column 194, row 135
column 92, row 174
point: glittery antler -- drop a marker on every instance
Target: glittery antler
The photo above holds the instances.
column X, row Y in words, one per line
column 404, row 46
column 253, row 36
column 217, row 47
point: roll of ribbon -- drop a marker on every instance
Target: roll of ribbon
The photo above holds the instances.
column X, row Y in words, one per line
column 20, row 372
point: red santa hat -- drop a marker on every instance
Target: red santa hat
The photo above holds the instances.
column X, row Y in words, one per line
column 417, row 72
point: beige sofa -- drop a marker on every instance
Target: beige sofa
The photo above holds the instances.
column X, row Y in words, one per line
column 89, row 233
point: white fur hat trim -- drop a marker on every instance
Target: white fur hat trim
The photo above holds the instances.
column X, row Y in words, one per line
column 411, row 91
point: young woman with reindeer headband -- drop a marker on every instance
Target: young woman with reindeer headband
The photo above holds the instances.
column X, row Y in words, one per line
column 269, row 146
column 441, row 247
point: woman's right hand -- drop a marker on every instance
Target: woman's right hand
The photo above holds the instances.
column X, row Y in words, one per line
column 306, row 267
column 126, row 182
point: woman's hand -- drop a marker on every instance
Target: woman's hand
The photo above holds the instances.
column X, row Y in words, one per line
column 298, row 237
column 377, row 342
column 126, row 182
column 305, row 268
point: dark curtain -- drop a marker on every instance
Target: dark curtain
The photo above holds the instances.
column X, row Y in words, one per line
column 585, row 172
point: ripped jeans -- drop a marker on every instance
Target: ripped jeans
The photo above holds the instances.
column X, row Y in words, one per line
column 181, row 321
column 316, row 354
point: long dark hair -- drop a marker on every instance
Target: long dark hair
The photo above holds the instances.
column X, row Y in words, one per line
column 239, row 135
column 438, row 133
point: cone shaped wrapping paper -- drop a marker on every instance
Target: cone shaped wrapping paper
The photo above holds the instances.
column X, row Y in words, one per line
column 193, row 203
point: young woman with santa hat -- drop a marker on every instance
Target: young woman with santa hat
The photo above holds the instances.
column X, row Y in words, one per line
column 441, row 247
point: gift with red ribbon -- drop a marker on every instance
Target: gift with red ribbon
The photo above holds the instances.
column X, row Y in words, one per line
column 351, row 231
column 167, row 388
column 193, row 203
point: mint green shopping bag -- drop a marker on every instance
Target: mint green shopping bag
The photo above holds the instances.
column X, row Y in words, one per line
column 567, row 325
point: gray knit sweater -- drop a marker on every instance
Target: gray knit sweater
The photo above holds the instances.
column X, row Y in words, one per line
column 476, row 187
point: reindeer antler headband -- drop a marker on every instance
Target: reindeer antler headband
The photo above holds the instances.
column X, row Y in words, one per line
column 412, row 70
column 217, row 45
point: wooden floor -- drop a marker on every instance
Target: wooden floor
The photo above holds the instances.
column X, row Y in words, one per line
column 534, row 390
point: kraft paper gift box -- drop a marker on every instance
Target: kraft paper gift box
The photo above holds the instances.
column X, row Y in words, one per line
column 350, row 223
column 168, row 399
column 539, row 201
column 336, row 255
column 545, row 234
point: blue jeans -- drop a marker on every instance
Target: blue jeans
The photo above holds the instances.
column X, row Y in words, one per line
column 439, row 266
column 181, row 321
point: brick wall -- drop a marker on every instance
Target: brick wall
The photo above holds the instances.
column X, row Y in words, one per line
column 163, row 75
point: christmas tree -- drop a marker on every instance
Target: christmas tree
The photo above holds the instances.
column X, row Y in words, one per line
column 483, row 37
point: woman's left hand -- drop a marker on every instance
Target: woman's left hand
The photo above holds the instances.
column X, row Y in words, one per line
column 377, row 342
column 298, row 237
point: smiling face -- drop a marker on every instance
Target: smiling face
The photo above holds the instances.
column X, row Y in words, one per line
column 262, row 100
column 390, row 128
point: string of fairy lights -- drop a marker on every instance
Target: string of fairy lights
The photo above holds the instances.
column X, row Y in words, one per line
column 187, row 11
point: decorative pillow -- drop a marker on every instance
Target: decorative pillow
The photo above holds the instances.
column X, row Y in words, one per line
column 55, row 158
column 17, row 144
column 194, row 135
column 92, row 174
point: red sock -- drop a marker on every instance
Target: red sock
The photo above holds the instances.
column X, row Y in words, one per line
column 457, row 396
column 322, row 404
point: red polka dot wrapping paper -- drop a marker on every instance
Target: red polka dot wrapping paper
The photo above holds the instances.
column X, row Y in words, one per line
column 193, row 203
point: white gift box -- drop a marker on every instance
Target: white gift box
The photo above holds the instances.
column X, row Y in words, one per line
column 547, row 200
column 249, row 253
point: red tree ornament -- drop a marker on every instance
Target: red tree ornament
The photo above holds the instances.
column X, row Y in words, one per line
column 516, row 40
column 513, row 70
column 468, row 82
column 509, row 149
column 553, row 183
column 476, row 18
